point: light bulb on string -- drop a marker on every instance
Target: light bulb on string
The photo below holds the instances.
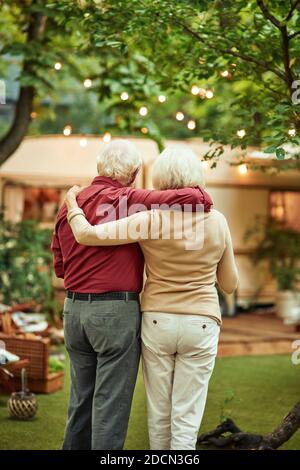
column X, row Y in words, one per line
column 87, row 83
column 191, row 125
column 243, row 169
column 209, row 94
column 57, row 65
column 241, row 133
column 67, row 130
column 124, row 96
column 225, row 73
column 106, row 137
column 195, row 90
column 162, row 98
column 143, row 111
column 292, row 132
column 179, row 116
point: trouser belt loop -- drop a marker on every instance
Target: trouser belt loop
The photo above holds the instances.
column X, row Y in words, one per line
column 73, row 297
column 90, row 298
column 126, row 296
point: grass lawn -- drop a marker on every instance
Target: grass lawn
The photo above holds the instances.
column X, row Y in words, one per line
column 257, row 392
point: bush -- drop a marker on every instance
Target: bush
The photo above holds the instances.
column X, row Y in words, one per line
column 25, row 263
column 280, row 246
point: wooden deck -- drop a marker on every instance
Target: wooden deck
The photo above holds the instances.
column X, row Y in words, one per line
column 256, row 334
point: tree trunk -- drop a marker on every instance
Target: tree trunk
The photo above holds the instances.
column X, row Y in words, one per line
column 19, row 127
column 11, row 141
column 236, row 439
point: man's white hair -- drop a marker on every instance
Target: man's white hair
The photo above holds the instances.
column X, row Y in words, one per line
column 177, row 167
column 120, row 161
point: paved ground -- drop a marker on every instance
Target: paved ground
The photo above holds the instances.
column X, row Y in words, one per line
column 256, row 334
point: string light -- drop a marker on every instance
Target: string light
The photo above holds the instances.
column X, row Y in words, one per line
column 191, row 125
column 195, row 90
column 83, row 142
column 202, row 93
column 57, row 65
column 209, row 94
column 87, row 83
column 124, row 96
column 179, row 116
column 107, row 137
column 225, row 73
column 292, row 132
column 243, row 169
column 161, row 98
column 241, row 133
column 67, row 130
column 144, row 130
column 143, row 111
column 33, row 114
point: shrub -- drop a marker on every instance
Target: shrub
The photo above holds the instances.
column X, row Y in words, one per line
column 25, row 263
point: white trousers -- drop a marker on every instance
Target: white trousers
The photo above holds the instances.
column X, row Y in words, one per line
column 178, row 354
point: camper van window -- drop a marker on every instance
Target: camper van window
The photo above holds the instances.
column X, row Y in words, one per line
column 285, row 207
column 41, row 204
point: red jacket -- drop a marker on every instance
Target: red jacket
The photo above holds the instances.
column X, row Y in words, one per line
column 91, row 269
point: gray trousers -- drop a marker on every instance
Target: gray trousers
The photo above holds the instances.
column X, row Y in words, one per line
column 103, row 342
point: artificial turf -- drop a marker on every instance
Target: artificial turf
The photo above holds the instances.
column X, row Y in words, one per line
column 257, row 392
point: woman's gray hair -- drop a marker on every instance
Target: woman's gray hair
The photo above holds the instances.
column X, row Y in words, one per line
column 120, row 161
column 177, row 167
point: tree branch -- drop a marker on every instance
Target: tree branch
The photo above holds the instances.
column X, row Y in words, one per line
column 263, row 65
column 268, row 15
column 284, row 431
column 286, row 57
column 228, row 435
column 290, row 13
column 292, row 36
column 272, row 90
column 284, row 38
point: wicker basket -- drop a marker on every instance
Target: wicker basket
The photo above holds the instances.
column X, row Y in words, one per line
column 22, row 405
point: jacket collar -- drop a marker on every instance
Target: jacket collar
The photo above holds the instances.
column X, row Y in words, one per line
column 106, row 181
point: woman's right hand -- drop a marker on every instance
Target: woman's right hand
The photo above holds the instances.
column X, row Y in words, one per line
column 71, row 195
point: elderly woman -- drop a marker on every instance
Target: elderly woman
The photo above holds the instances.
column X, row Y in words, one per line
column 181, row 314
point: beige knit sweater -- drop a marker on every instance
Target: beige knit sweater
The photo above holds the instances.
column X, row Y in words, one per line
column 184, row 255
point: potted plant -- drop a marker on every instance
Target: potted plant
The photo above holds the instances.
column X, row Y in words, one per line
column 280, row 246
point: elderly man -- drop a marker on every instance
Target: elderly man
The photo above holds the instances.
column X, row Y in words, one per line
column 101, row 310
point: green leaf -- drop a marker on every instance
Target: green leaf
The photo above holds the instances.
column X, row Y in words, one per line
column 280, row 153
column 271, row 149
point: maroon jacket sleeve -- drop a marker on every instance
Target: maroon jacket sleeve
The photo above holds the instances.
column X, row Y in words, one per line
column 191, row 196
column 57, row 254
